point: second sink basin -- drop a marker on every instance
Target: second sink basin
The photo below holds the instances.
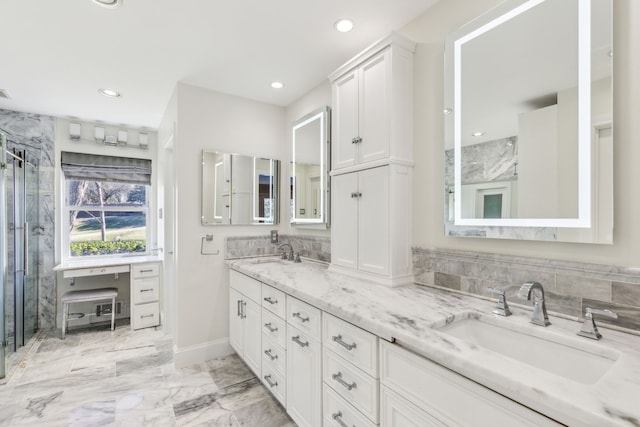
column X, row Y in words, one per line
column 569, row 357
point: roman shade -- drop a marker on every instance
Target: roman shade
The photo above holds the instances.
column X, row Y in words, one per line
column 93, row 167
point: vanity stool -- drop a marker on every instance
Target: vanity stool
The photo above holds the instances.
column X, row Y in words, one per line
column 88, row 295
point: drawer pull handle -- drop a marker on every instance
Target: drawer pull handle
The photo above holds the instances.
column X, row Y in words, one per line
column 297, row 340
column 302, row 319
column 338, row 378
column 239, row 312
column 146, row 271
column 269, row 327
column 146, row 290
column 146, row 315
column 270, row 301
column 267, row 378
column 268, row 353
column 338, row 339
column 338, row 418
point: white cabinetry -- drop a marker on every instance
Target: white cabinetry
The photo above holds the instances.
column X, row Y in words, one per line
column 145, row 295
column 418, row 392
column 372, row 160
column 244, row 320
column 304, row 363
column 274, row 336
column 371, row 230
column 373, row 105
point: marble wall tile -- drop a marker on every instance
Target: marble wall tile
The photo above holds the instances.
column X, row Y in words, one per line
column 584, row 286
column 313, row 247
column 449, row 281
column 625, row 293
column 628, row 316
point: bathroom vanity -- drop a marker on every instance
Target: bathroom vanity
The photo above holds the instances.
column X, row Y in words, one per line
column 391, row 356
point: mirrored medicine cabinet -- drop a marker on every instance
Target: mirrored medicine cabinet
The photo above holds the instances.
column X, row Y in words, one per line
column 528, row 123
column 239, row 189
column 309, row 180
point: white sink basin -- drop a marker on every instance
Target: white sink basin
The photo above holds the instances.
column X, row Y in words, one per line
column 570, row 357
column 270, row 260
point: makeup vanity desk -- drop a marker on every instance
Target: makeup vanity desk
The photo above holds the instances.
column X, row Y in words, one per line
column 144, row 285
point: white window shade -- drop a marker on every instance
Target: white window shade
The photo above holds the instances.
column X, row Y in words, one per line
column 92, row 167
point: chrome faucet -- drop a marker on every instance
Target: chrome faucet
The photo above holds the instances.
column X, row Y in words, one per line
column 589, row 328
column 284, row 252
column 539, row 316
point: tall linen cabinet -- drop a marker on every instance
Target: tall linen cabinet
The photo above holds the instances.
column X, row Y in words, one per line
column 372, row 163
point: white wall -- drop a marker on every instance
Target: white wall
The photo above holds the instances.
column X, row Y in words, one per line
column 215, row 122
column 430, row 30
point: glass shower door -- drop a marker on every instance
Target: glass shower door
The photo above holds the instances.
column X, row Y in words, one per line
column 30, row 247
column 3, row 253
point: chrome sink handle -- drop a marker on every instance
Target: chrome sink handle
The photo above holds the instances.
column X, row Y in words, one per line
column 589, row 328
column 539, row 316
column 501, row 308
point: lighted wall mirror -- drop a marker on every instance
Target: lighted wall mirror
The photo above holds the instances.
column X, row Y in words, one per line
column 309, row 180
column 239, row 190
column 528, row 123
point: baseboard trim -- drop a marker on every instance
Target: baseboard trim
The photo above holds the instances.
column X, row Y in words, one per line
column 201, row 352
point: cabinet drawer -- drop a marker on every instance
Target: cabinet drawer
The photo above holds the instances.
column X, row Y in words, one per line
column 246, row 285
column 355, row 386
column 95, row 271
column 442, row 392
column 145, row 290
column 273, row 355
column 275, row 383
column 145, row 315
column 274, row 327
column 303, row 316
column 338, row 412
column 352, row 343
column 145, row 270
column 274, row 300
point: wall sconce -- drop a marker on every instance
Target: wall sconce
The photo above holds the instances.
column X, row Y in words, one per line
column 143, row 140
column 74, row 131
column 99, row 134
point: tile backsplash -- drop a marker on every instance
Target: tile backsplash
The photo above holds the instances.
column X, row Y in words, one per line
column 313, row 247
column 569, row 286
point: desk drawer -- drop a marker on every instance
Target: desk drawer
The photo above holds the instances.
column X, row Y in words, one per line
column 145, row 290
column 274, row 327
column 352, row 343
column 95, row 271
column 274, row 300
column 145, row 270
column 305, row 317
column 145, row 315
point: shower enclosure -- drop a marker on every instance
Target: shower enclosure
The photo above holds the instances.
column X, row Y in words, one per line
column 19, row 225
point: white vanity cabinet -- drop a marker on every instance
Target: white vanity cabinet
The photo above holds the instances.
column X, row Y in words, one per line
column 371, row 231
column 245, row 319
column 304, row 363
column 274, row 337
column 417, row 392
column 145, row 295
column 373, row 105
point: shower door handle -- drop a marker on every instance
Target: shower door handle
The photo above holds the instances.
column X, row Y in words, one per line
column 25, row 234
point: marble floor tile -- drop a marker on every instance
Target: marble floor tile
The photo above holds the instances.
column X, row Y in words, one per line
column 96, row 377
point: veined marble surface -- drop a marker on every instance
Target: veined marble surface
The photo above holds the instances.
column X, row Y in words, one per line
column 88, row 262
column 410, row 314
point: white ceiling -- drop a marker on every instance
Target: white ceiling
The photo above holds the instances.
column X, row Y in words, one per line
column 55, row 55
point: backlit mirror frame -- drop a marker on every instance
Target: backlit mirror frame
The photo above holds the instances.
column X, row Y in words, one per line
column 518, row 228
column 322, row 116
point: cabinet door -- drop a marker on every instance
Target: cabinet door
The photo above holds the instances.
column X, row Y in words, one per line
column 374, row 103
column 344, row 235
column 373, row 220
column 235, row 321
column 345, row 120
column 304, row 378
column 397, row 412
column 252, row 336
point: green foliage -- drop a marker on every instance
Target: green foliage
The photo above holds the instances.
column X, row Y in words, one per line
column 97, row 247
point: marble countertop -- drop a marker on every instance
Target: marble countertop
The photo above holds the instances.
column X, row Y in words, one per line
column 88, row 262
column 410, row 316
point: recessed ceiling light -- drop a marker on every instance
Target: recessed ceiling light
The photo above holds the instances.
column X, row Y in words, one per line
column 109, row 93
column 277, row 85
column 108, row 3
column 344, row 25
column 477, row 134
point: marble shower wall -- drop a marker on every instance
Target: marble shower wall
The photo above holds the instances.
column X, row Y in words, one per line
column 36, row 133
column 569, row 286
column 317, row 248
column 495, row 160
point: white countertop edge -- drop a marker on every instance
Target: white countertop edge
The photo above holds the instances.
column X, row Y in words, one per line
column 106, row 262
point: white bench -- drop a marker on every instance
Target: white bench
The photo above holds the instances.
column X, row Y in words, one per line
column 88, row 295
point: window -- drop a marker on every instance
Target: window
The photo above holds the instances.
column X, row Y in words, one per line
column 106, row 205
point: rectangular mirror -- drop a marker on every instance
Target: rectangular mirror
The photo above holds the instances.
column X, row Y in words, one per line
column 528, row 119
column 310, row 168
column 239, row 190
